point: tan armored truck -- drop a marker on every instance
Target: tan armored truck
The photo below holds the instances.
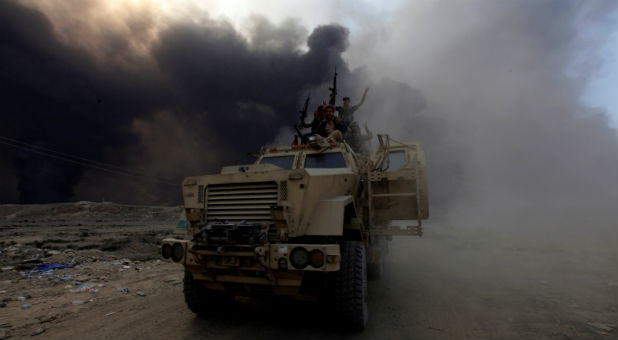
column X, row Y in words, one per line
column 303, row 220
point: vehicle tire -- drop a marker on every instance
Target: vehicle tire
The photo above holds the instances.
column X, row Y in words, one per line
column 375, row 270
column 202, row 301
column 350, row 287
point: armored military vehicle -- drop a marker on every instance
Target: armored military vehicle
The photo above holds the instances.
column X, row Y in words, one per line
column 302, row 220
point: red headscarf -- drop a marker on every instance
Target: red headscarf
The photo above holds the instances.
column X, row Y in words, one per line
column 328, row 106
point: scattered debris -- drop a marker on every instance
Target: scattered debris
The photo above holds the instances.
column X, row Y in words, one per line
column 88, row 287
column 140, row 293
column 110, row 313
column 37, row 332
column 60, row 264
column 48, row 319
column 51, row 266
column 601, row 326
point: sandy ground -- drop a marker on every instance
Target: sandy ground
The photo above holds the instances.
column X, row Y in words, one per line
column 451, row 283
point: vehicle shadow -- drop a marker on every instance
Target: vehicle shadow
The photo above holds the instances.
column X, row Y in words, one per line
column 267, row 317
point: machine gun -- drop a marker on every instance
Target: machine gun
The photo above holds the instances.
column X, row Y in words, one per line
column 333, row 90
column 301, row 124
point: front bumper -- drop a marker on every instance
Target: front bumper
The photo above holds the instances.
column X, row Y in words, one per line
column 267, row 257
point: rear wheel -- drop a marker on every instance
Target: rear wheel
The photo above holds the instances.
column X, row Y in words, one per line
column 202, row 301
column 375, row 270
column 350, row 286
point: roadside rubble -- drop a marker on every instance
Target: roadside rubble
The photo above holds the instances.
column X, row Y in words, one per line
column 37, row 332
column 604, row 327
column 96, row 308
column 57, row 260
column 51, row 294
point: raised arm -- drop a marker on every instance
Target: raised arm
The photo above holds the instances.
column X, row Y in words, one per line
column 363, row 98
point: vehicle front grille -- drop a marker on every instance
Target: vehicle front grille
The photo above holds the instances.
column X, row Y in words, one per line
column 241, row 201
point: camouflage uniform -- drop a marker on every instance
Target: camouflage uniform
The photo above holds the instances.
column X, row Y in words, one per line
column 346, row 112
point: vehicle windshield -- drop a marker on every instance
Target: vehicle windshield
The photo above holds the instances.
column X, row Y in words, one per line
column 284, row 162
column 325, row 160
column 397, row 160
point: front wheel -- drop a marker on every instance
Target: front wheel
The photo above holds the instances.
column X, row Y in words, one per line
column 202, row 301
column 350, row 286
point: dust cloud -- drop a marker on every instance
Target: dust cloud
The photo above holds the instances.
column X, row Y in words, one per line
column 494, row 94
column 523, row 177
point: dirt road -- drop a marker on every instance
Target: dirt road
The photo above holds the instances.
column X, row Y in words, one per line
column 448, row 284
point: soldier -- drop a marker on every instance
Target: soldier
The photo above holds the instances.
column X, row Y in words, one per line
column 346, row 111
column 330, row 129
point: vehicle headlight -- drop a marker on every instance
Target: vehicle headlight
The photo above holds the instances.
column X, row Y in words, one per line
column 166, row 250
column 317, row 258
column 299, row 257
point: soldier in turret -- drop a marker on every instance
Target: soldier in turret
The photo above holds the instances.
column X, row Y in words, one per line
column 346, row 112
column 330, row 129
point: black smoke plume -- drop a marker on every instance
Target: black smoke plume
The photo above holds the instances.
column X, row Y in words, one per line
column 207, row 96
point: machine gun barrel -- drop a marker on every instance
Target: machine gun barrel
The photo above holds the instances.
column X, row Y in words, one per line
column 301, row 117
column 303, row 113
column 333, row 90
